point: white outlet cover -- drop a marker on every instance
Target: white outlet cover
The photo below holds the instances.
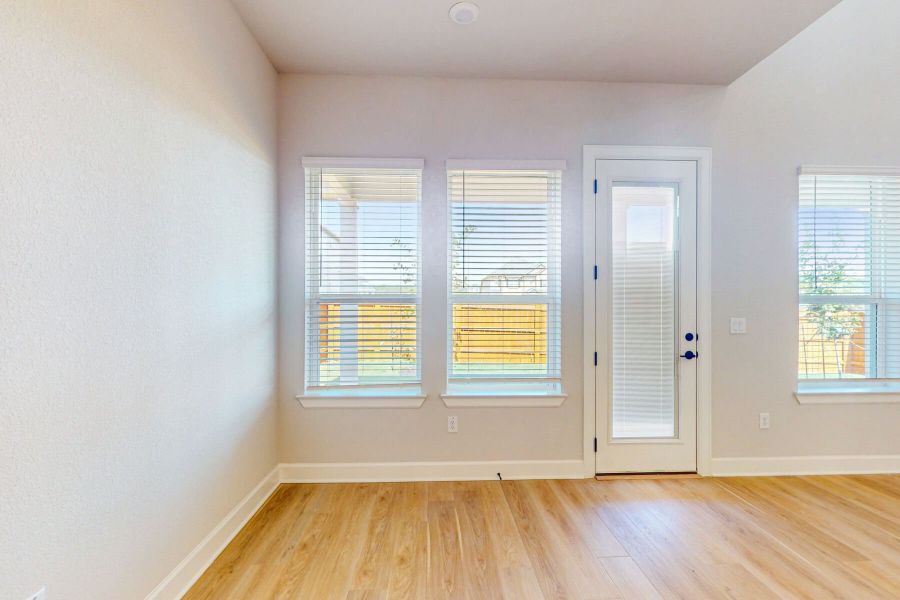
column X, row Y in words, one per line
column 764, row 421
column 452, row 424
column 738, row 325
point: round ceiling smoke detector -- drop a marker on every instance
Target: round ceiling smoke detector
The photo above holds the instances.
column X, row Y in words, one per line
column 464, row 13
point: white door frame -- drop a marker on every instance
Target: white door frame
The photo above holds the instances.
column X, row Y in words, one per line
column 703, row 158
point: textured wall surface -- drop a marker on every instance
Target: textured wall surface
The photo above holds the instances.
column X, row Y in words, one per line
column 137, row 194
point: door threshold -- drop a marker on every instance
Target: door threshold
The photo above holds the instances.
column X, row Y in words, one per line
column 656, row 475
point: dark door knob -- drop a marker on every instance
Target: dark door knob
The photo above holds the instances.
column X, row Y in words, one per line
column 690, row 355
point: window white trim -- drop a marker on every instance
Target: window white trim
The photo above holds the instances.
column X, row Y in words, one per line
column 868, row 391
column 503, row 400
column 847, row 170
column 703, row 157
column 400, row 388
column 875, row 288
column 455, row 164
column 482, row 390
column 320, row 162
column 361, row 401
column 344, row 393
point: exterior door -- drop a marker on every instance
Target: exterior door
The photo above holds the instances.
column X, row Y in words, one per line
column 646, row 316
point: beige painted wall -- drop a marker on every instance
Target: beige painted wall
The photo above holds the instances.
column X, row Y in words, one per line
column 828, row 96
column 437, row 119
column 831, row 96
column 137, row 194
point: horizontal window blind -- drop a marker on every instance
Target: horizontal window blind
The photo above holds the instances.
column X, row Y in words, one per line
column 849, row 271
column 644, row 292
column 362, row 276
column 504, row 300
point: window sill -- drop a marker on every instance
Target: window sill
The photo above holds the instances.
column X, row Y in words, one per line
column 848, row 393
column 503, row 400
column 362, row 401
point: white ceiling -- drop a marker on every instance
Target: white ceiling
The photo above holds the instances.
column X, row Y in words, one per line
column 671, row 41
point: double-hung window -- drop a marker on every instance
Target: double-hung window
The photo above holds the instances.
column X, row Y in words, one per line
column 504, row 279
column 362, row 276
column 849, row 276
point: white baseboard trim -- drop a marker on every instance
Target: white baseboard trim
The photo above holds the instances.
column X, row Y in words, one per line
column 182, row 577
column 807, row 465
column 430, row 471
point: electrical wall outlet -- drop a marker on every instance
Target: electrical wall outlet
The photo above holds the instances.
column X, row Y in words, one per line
column 39, row 595
column 452, row 424
column 738, row 325
column 764, row 420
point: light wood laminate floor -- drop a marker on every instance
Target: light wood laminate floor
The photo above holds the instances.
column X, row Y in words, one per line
column 764, row 537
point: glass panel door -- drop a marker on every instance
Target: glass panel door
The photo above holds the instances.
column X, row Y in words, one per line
column 644, row 312
column 646, row 315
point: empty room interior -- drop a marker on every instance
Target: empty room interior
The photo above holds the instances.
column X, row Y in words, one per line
column 426, row 299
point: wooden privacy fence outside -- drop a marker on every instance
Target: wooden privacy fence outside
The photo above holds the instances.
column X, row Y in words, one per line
column 821, row 356
column 508, row 333
column 517, row 333
column 482, row 333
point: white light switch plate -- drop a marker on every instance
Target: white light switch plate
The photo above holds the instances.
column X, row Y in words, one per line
column 738, row 325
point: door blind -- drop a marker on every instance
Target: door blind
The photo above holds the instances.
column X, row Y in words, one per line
column 644, row 292
column 362, row 276
column 504, row 301
column 849, row 276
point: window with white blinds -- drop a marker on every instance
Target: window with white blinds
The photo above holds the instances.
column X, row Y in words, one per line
column 362, row 274
column 504, row 288
column 849, row 268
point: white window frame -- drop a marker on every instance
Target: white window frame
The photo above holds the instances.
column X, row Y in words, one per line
column 881, row 390
column 510, row 391
column 400, row 395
